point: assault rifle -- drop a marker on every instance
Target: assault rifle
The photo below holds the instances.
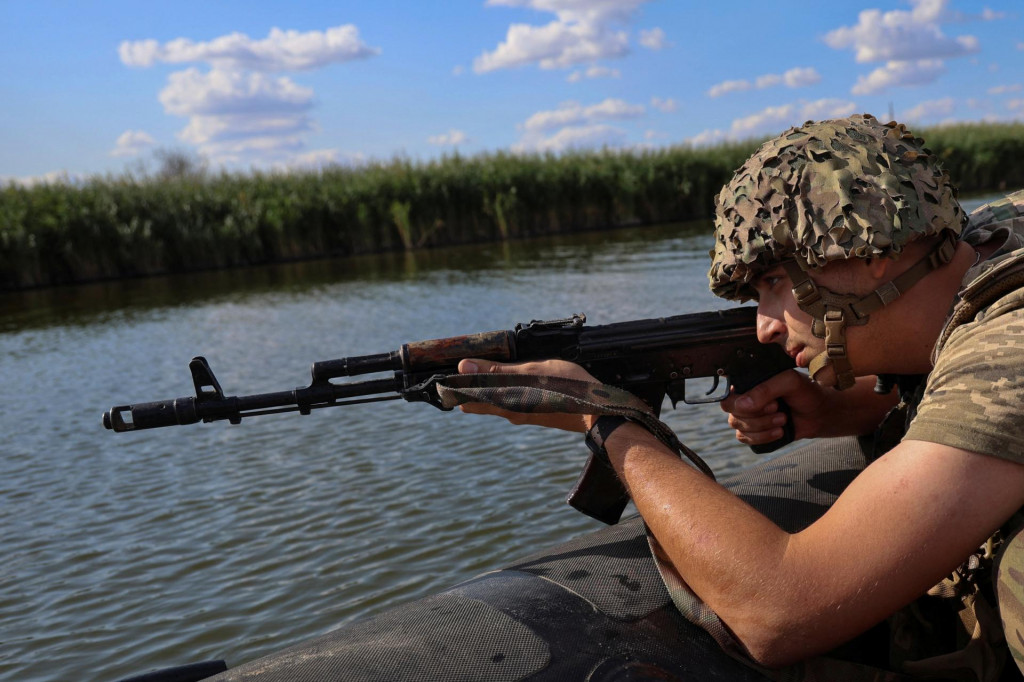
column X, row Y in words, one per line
column 650, row 358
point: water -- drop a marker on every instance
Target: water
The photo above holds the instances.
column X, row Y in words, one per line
column 128, row 552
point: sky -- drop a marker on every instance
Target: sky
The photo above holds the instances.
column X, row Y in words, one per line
column 97, row 88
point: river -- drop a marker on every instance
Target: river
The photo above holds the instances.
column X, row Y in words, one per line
column 128, row 552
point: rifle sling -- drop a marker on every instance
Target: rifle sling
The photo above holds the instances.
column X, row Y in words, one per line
column 529, row 393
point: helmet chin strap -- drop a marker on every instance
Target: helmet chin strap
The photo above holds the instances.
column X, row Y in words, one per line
column 831, row 313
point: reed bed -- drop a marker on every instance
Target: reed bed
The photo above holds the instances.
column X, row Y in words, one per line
column 114, row 227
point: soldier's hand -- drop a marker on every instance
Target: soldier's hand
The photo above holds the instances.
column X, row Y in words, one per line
column 817, row 411
column 566, row 422
column 756, row 417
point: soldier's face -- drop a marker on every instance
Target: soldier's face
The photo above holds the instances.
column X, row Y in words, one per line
column 780, row 320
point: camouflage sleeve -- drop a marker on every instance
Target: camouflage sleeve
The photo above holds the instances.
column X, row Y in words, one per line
column 974, row 397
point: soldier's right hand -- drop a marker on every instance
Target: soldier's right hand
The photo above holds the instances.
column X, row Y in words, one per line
column 817, row 412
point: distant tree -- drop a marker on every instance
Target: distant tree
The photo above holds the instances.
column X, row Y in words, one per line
column 179, row 164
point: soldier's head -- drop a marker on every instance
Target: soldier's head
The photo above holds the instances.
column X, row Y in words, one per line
column 826, row 192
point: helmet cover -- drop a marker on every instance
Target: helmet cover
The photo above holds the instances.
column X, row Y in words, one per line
column 825, row 191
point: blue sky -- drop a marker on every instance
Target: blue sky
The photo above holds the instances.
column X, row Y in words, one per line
column 95, row 87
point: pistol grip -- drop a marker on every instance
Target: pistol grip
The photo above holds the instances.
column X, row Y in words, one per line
column 598, row 492
column 788, row 433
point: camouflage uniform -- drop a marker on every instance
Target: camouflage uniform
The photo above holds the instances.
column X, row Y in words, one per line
column 974, row 393
column 972, row 400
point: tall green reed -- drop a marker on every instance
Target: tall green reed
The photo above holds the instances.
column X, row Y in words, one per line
column 124, row 226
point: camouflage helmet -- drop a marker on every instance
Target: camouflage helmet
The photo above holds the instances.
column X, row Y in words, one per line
column 825, row 191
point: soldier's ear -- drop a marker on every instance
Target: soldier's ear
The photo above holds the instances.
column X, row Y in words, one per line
column 881, row 269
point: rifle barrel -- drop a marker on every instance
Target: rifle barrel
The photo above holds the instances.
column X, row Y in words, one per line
column 181, row 411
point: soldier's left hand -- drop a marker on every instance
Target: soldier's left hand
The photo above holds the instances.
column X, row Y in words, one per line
column 567, row 422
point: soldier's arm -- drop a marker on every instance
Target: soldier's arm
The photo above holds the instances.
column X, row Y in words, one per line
column 898, row 529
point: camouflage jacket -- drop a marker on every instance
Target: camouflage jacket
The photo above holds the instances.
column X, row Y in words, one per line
column 969, row 401
column 972, row 400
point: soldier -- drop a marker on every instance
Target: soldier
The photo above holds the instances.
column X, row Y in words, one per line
column 867, row 272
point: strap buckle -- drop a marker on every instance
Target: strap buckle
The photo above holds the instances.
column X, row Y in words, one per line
column 806, row 293
column 835, row 333
column 943, row 254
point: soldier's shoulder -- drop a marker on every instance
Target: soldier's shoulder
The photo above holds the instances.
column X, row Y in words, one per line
column 1006, row 208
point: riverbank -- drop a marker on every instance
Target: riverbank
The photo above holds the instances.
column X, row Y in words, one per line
column 120, row 227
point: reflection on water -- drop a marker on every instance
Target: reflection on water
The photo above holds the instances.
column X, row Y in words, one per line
column 101, row 302
column 128, row 552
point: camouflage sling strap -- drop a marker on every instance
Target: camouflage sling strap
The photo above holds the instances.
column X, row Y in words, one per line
column 545, row 394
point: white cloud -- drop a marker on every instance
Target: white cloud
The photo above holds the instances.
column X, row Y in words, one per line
column 1004, row 89
column 557, row 45
column 573, row 137
column 653, row 39
column 603, row 72
column 1020, row 46
column 824, row 108
column 572, row 113
column 593, row 72
column 899, row 74
column 794, row 78
column 726, row 87
column 279, row 51
column 208, row 131
column 132, row 143
column 707, row 137
column 237, row 116
column 192, row 92
column 667, row 105
column 237, row 112
column 771, row 120
column 577, row 126
column 452, row 137
column 139, row 52
column 584, row 11
column 900, row 35
column 582, row 33
column 801, row 77
column 1015, row 105
column 930, row 109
